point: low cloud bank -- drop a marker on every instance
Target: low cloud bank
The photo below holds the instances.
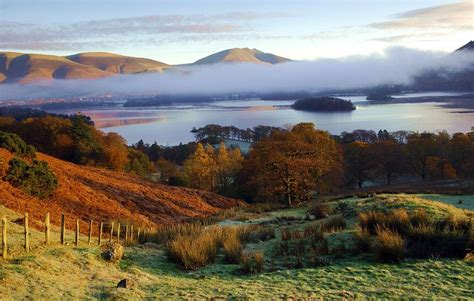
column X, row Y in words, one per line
column 394, row 66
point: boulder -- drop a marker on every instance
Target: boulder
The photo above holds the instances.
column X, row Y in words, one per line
column 126, row 283
column 112, row 252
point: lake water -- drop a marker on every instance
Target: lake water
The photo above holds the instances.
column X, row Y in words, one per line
column 170, row 125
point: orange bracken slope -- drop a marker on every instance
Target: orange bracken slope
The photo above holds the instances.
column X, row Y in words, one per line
column 102, row 195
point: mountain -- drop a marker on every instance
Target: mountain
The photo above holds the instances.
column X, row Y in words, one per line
column 115, row 63
column 468, row 47
column 241, row 55
column 26, row 68
column 444, row 79
column 102, row 195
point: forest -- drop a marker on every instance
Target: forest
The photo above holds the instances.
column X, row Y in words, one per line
column 284, row 165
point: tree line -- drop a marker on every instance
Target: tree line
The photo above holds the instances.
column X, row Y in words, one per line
column 292, row 164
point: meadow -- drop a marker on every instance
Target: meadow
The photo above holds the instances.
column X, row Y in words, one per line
column 64, row 272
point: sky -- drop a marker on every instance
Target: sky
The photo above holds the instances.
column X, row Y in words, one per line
column 183, row 31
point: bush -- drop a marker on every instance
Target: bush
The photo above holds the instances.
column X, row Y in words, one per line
column 232, row 247
column 287, row 234
column 191, row 253
column 370, row 220
column 363, row 239
column 389, row 245
column 35, row 179
column 398, row 220
column 166, row 234
column 320, row 210
column 314, row 230
column 335, row 223
column 252, row 262
column 15, row 144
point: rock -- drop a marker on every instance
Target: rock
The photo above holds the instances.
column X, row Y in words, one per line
column 469, row 257
column 112, row 252
column 126, row 283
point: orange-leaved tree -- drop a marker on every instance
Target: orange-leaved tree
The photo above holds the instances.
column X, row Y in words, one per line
column 291, row 165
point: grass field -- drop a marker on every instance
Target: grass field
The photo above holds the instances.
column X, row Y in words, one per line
column 65, row 272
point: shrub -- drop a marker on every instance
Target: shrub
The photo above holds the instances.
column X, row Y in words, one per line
column 35, row 179
column 335, row 223
column 314, row 230
column 166, row 234
column 193, row 252
column 252, row 262
column 389, row 245
column 15, row 144
column 287, row 234
column 232, row 247
column 370, row 220
column 320, row 210
column 398, row 220
column 419, row 218
column 363, row 239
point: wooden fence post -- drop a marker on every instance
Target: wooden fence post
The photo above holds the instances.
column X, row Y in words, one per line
column 77, row 233
column 126, row 234
column 138, row 235
column 118, row 233
column 131, row 234
column 27, row 234
column 47, row 229
column 90, row 232
column 4, row 238
column 63, row 228
column 101, row 227
column 145, row 238
column 111, row 231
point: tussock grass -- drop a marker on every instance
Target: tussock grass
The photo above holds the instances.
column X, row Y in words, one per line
column 389, row 245
column 252, row 262
column 320, row 210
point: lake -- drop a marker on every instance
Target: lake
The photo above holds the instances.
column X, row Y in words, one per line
column 171, row 125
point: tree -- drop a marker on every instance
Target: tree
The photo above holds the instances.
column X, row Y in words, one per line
column 114, row 151
column 290, row 164
column 419, row 147
column 461, row 152
column 389, row 159
column 359, row 162
column 199, row 168
column 35, row 179
column 138, row 164
column 229, row 162
column 167, row 170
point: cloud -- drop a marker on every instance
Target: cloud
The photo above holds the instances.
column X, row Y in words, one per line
column 395, row 66
column 79, row 35
column 454, row 16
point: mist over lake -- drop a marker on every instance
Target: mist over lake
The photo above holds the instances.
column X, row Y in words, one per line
column 171, row 124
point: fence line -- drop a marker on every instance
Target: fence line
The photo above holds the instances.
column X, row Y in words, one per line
column 129, row 238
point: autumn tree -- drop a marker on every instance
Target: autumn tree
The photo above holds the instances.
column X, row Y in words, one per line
column 199, row 168
column 419, row 148
column 213, row 170
column 359, row 162
column 289, row 165
column 389, row 159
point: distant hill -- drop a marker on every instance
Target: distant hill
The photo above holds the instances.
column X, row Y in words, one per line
column 468, row 47
column 241, row 55
column 443, row 79
column 103, row 195
column 115, row 63
column 27, row 68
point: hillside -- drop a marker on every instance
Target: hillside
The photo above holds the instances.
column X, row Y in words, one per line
column 241, row 55
column 468, row 47
column 27, row 68
column 98, row 194
column 116, row 63
column 65, row 272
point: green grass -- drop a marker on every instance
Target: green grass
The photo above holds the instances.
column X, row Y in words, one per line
column 64, row 272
